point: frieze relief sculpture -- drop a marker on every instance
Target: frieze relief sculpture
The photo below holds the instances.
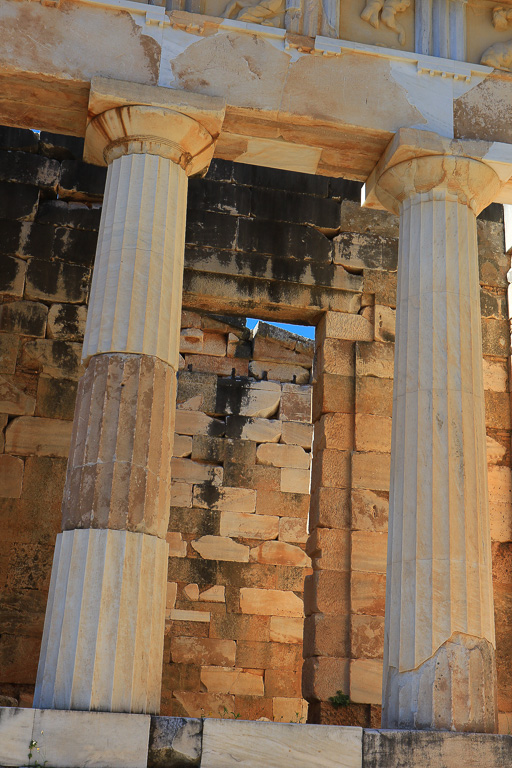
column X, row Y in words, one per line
column 499, row 55
column 270, row 13
column 385, row 11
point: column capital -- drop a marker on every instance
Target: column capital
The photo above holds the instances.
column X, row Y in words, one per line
column 129, row 118
column 471, row 172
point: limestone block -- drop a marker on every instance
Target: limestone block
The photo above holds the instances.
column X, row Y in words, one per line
column 258, row 398
column 295, row 480
column 27, row 318
column 13, row 399
column 330, row 508
column 295, row 433
column 249, row 526
column 11, row 476
column 286, row 710
column 174, row 742
column 203, row 651
column 135, row 302
column 334, row 431
column 372, row 433
column 221, row 548
column 279, row 553
column 366, row 637
column 191, row 340
column 170, row 599
column 293, row 529
column 329, row 549
column 371, row 471
column 238, row 681
column 369, row 551
column 230, row 743
column 30, row 435
column 330, row 469
column 497, row 410
column 119, row 471
column 335, row 356
column 374, row 396
column 225, row 499
column 279, row 372
column 366, row 681
column 368, row 593
column 177, row 547
column 190, row 471
column 66, row 321
column 495, row 374
column 257, row 430
column 426, row 748
column 181, row 494
column 222, row 366
column 205, row 704
column 370, row 510
column 327, row 636
column 191, row 422
column 99, row 587
column 275, row 351
column 375, row 359
column 340, row 325
column 9, row 345
column 182, row 446
column 270, row 602
column 323, row 676
column 295, row 406
column 191, row 592
column 64, row 738
column 16, row 729
column 333, row 394
column 285, row 629
column 215, row 594
column 203, row 617
column 280, row 455
column 496, row 451
column 327, row 592
column 53, row 357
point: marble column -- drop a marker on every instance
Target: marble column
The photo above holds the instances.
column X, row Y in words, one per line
column 103, row 635
column 439, row 657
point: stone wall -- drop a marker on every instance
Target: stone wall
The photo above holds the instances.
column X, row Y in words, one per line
column 238, row 524
column 273, row 245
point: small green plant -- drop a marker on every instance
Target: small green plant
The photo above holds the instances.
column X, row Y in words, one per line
column 33, row 748
column 340, row 699
column 225, row 713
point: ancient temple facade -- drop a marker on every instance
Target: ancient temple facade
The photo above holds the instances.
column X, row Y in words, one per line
column 251, row 523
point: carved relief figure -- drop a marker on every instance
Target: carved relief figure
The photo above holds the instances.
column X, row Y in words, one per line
column 499, row 55
column 385, row 11
column 268, row 12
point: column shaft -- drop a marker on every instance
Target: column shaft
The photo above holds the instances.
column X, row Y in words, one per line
column 103, row 637
column 439, row 657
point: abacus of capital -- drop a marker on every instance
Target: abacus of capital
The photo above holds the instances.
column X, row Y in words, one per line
column 102, row 647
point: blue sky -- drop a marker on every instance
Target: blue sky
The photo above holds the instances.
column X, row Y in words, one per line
column 303, row 330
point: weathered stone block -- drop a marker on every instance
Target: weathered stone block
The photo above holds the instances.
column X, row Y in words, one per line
column 75, row 245
column 384, row 323
column 284, row 629
column 331, row 469
column 55, row 398
column 359, row 250
column 374, row 396
column 497, row 410
column 368, row 593
column 495, row 337
column 341, row 325
column 12, row 275
column 295, row 406
column 367, row 637
column 270, row 602
column 190, row 471
column 329, row 549
column 221, row 548
column 29, row 168
column 182, row 447
column 280, row 238
column 224, row 499
column 69, row 214
column 197, row 423
column 81, row 181
column 221, row 366
column 335, row 356
column 30, row 435
column 9, row 345
column 334, row 431
column 495, row 374
column 57, row 281
column 327, row 636
column 11, row 476
column 257, row 430
column 248, row 398
column 295, row 480
column 366, row 681
column 208, row 651
column 370, row 510
column 293, row 530
column 67, row 321
column 294, row 433
column 18, row 138
column 323, row 676
column 280, row 455
column 174, row 742
column 372, row 433
column 279, row 372
column 249, row 526
column 16, row 729
column 327, row 592
column 369, row 551
column 330, row 508
column 371, row 471
column 279, row 553
column 375, row 359
column 242, row 682
column 286, row 504
column 15, row 397
column 333, row 394
column 214, row 449
column 24, row 317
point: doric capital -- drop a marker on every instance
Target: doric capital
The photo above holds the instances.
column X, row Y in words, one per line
column 127, row 118
column 423, row 162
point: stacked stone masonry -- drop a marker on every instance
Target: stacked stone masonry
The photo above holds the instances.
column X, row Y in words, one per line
column 278, row 246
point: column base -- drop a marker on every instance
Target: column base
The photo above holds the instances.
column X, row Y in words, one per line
column 454, row 690
column 102, row 644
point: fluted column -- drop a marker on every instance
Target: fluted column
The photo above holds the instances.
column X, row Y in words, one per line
column 102, row 643
column 439, row 656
